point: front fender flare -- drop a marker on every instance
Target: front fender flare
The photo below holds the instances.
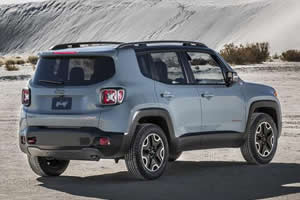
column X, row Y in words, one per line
column 266, row 104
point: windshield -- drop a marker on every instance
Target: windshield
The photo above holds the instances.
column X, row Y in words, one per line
column 73, row 70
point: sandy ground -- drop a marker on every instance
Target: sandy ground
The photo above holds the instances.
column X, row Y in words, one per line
column 205, row 174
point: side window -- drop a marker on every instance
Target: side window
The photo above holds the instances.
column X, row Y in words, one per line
column 166, row 68
column 205, row 69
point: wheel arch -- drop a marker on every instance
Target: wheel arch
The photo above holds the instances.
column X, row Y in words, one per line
column 158, row 116
column 268, row 107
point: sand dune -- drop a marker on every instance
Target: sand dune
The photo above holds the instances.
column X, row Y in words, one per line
column 36, row 26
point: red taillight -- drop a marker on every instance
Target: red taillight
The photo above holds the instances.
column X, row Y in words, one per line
column 112, row 96
column 121, row 93
column 26, row 97
column 109, row 97
column 64, row 52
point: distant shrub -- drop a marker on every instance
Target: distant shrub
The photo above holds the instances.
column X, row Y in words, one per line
column 248, row 54
column 32, row 59
column 1, row 62
column 10, row 61
column 275, row 56
column 11, row 68
column 10, row 65
column 20, row 61
column 291, row 56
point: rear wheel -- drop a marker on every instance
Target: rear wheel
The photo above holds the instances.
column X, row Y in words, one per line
column 261, row 143
column 148, row 155
column 43, row 166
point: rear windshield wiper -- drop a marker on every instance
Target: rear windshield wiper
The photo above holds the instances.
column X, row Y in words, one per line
column 52, row 82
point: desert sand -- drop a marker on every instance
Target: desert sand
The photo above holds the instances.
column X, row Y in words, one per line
column 203, row 174
column 37, row 26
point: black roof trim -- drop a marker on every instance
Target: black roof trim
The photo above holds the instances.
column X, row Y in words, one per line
column 168, row 42
column 127, row 45
column 82, row 44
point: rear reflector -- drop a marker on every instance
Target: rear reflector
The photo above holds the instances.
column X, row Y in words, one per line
column 64, row 52
column 31, row 140
column 26, row 97
column 104, row 141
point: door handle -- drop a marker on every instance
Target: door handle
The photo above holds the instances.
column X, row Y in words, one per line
column 207, row 95
column 167, row 95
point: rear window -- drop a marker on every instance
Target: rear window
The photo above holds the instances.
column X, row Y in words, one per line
column 73, row 70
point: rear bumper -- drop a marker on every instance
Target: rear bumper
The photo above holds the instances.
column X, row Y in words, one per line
column 82, row 154
column 71, row 143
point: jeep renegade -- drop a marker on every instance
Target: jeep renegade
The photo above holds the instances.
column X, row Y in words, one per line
column 145, row 102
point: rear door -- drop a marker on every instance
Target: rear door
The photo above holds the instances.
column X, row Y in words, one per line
column 173, row 91
column 65, row 90
column 223, row 107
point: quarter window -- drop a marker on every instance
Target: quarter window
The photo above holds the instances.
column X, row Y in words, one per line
column 205, row 68
column 144, row 61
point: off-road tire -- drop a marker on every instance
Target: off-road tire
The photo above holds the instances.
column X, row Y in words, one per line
column 43, row 166
column 249, row 148
column 133, row 158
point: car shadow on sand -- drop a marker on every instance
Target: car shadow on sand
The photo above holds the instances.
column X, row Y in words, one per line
column 188, row 180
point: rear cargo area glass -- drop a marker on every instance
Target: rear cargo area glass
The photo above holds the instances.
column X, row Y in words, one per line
column 73, row 70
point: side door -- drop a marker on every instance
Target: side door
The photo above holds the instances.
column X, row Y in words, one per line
column 173, row 91
column 223, row 107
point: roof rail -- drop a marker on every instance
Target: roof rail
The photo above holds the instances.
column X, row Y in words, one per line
column 81, row 44
column 144, row 43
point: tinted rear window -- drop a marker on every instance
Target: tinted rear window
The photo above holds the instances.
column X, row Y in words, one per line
column 73, row 70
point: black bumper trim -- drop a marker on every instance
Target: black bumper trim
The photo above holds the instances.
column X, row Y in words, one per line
column 82, row 154
column 72, row 143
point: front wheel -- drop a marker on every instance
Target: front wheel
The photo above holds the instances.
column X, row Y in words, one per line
column 44, row 166
column 262, row 137
column 148, row 155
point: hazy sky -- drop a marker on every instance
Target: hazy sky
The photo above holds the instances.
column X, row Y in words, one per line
column 16, row 1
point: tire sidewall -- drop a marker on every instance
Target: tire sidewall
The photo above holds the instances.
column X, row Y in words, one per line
column 60, row 167
column 141, row 135
column 251, row 138
column 39, row 166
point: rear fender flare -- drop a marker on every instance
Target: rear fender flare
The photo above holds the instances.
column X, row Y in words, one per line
column 151, row 112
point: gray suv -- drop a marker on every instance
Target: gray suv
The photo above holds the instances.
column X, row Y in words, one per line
column 145, row 102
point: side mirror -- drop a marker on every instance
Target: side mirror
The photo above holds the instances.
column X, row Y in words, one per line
column 231, row 78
